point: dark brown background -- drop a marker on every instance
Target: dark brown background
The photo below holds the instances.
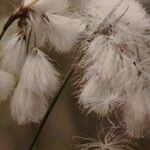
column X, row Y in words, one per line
column 65, row 122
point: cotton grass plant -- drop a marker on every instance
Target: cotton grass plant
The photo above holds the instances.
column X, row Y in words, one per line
column 113, row 40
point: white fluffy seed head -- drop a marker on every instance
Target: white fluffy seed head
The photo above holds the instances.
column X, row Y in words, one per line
column 60, row 31
column 7, row 84
column 38, row 82
column 105, row 60
column 103, row 63
column 63, row 31
column 39, row 75
column 14, row 53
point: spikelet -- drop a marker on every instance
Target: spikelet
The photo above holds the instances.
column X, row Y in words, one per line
column 38, row 82
column 108, row 139
column 14, row 53
column 103, row 63
column 40, row 74
column 64, row 31
column 48, row 16
column 27, row 106
column 98, row 96
column 7, row 84
column 61, row 31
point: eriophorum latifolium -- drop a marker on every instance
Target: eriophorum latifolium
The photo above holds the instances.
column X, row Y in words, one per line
column 115, row 64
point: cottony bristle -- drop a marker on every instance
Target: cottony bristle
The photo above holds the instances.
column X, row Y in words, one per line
column 98, row 96
column 38, row 82
column 54, row 6
column 117, row 58
column 103, row 64
column 64, row 31
column 27, row 106
column 39, row 74
column 14, row 53
column 108, row 139
column 60, row 31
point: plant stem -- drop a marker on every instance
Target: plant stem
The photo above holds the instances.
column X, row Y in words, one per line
column 18, row 13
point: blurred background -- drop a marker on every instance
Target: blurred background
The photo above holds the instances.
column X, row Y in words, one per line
column 66, row 121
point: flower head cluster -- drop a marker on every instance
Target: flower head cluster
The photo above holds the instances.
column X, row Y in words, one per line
column 116, row 61
column 117, row 65
column 27, row 74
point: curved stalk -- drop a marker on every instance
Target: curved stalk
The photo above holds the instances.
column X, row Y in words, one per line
column 18, row 13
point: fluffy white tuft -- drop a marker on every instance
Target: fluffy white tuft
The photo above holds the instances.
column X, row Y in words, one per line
column 39, row 74
column 49, row 24
column 98, row 96
column 61, row 31
column 117, row 59
column 136, row 110
column 27, row 106
column 7, row 84
column 38, row 82
column 53, row 6
column 103, row 63
column 14, row 53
